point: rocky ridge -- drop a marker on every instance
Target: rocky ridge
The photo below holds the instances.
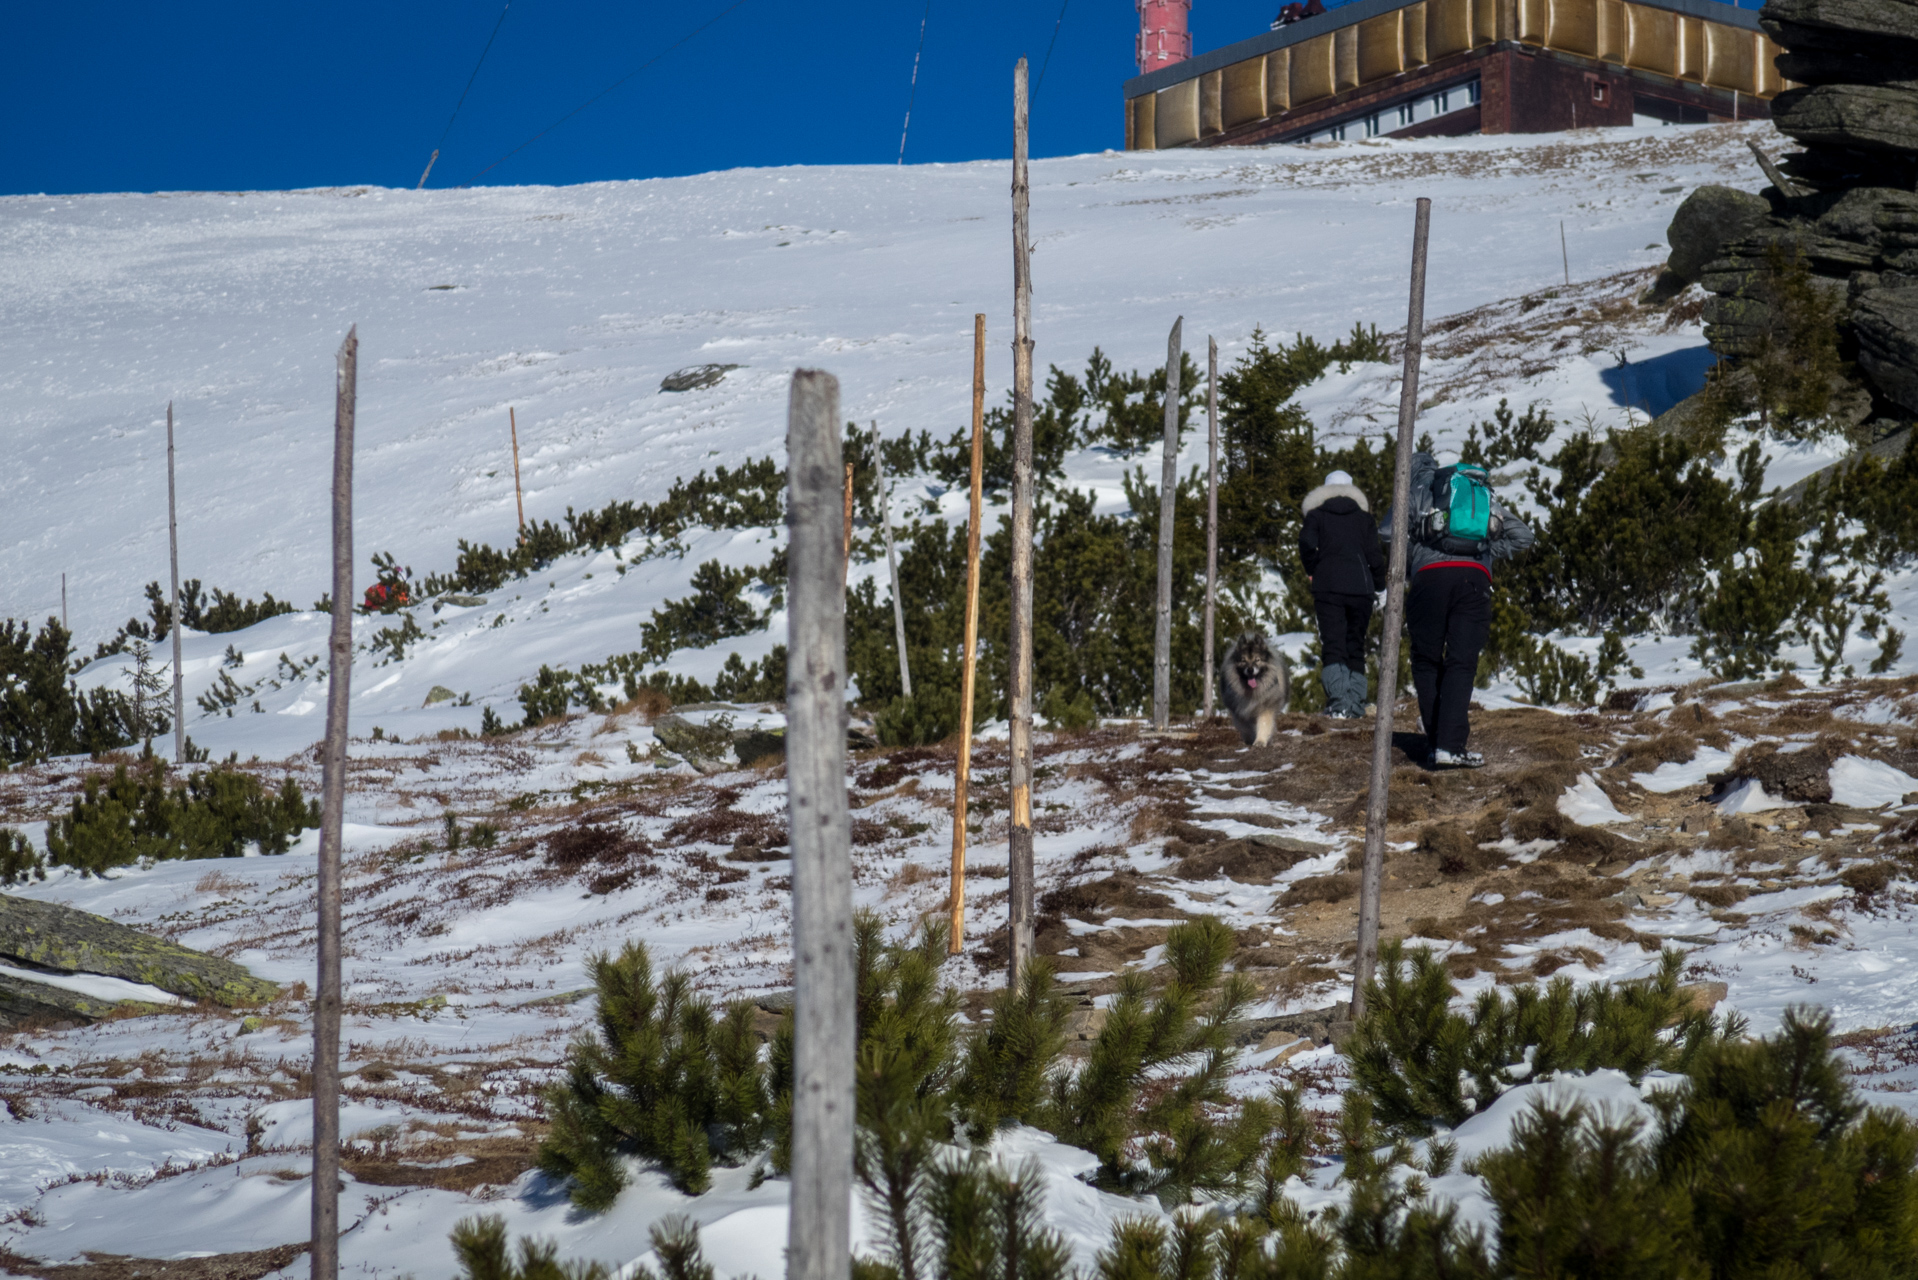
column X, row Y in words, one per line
column 1845, row 204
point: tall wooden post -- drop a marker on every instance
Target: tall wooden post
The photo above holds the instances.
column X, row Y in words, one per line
column 818, row 1243
column 173, row 553
column 326, row 1009
column 962, row 773
column 1168, row 509
column 64, row 624
column 1374, row 873
column 518, row 498
column 1211, row 510
column 1019, row 889
column 892, row 563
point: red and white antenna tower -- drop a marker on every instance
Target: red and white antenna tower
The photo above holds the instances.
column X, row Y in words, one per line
column 1163, row 38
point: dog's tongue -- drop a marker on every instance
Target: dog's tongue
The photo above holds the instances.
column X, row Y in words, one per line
column 1252, row 682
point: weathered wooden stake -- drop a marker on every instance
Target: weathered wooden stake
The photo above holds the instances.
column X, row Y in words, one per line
column 518, row 497
column 962, row 773
column 818, row 1243
column 1019, row 888
column 892, row 563
column 845, row 569
column 1370, row 881
column 173, row 553
column 1565, row 253
column 64, row 624
column 1168, row 507
column 326, row 1009
column 1211, row 508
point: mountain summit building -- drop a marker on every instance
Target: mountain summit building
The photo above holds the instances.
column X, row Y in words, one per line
column 1425, row 68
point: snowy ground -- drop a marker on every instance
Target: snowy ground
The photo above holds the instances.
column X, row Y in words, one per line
column 571, row 305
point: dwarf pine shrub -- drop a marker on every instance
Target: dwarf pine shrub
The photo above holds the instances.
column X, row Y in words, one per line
column 20, row 862
column 42, row 712
column 1422, row 1065
column 1007, row 1074
column 666, row 1077
column 482, row 1248
column 140, row 814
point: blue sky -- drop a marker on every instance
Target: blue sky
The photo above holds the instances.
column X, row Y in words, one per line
column 224, row 95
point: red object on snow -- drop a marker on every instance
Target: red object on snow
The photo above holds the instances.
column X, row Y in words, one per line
column 1163, row 38
column 382, row 596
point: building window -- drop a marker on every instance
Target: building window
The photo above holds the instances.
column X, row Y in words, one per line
column 1599, row 91
column 1471, row 92
column 1407, row 114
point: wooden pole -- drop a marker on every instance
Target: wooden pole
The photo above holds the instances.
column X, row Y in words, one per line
column 1019, row 889
column 845, row 569
column 430, row 162
column 1565, row 253
column 818, row 1244
column 1168, row 508
column 326, row 1009
column 173, row 553
column 892, row 563
column 1211, row 509
column 64, row 624
column 518, row 497
column 962, row 773
column 1374, row 873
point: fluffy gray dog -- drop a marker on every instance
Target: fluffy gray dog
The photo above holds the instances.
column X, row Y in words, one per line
column 1256, row 683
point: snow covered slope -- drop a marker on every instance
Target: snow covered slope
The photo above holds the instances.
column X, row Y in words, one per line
column 571, row 305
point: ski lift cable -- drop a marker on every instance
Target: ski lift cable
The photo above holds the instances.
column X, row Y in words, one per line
column 434, row 158
column 476, row 70
column 602, row 93
column 1049, row 45
column 913, row 92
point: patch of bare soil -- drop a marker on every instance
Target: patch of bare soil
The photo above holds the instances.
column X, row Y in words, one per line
column 112, row 1266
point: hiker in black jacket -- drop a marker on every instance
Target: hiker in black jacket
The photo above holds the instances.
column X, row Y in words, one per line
column 1448, row 602
column 1339, row 546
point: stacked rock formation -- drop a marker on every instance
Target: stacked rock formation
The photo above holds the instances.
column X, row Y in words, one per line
column 1845, row 204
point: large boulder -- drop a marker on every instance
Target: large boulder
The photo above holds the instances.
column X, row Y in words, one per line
column 1895, row 18
column 1869, row 117
column 46, row 935
column 1709, row 218
column 1885, row 320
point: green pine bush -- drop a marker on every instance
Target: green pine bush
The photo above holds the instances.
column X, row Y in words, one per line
column 1423, row 1066
column 482, row 1249
column 139, row 814
column 42, row 712
column 1009, row 1064
column 20, row 862
column 664, row 1078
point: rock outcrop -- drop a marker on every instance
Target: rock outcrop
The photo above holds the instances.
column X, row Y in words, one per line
column 48, row 937
column 1844, row 206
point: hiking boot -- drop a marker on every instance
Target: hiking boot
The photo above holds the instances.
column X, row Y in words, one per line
column 1443, row 759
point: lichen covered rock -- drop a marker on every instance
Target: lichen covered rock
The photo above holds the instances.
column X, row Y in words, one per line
column 46, row 935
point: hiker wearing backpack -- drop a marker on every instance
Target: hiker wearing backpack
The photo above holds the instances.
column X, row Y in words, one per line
column 1339, row 547
column 1455, row 529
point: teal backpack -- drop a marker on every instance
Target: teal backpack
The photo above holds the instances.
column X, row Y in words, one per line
column 1461, row 519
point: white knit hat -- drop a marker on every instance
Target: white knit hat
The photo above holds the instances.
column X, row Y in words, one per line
column 1339, row 477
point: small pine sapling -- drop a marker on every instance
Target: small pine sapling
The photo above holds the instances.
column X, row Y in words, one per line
column 660, row 1079
column 1009, row 1065
column 484, row 1253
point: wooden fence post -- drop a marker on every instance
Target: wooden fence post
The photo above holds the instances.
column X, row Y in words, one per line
column 1211, row 510
column 845, row 569
column 892, row 563
column 1168, row 508
column 173, row 552
column 519, row 499
column 962, row 771
column 1371, row 880
column 326, row 1008
column 818, row 1244
column 1019, row 888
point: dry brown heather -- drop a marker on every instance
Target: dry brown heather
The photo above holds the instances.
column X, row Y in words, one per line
column 1151, row 856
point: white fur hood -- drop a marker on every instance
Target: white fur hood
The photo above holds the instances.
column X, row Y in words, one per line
column 1326, row 492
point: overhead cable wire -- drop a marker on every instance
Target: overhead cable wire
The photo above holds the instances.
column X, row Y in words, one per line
column 602, row 93
column 1048, row 59
column 913, row 92
column 463, row 92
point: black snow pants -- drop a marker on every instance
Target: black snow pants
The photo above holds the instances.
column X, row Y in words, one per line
column 1448, row 614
